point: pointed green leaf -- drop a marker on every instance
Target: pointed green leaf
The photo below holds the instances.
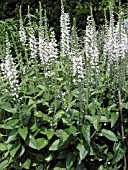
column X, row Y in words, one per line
column 125, row 105
column 38, row 114
column 96, row 121
column 32, row 142
column 12, row 135
column 65, row 136
column 114, row 118
column 27, row 164
column 22, row 151
column 118, row 152
column 50, row 133
column 59, row 115
column 109, row 135
column 86, row 132
column 70, row 160
column 4, row 164
column 23, row 132
column 90, row 118
column 41, row 143
column 73, row 130
column 3, row 147
column 104, row 119
column 49, row 158
column 7, row 106
column 54, row 145
column 92, row 108
column 10, row 124
column 83, row 152
column 14, row 149
column 31, row 102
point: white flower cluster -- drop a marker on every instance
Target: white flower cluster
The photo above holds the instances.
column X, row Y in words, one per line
column 32, row 45
column 78, row 66
column 53, row 51
column 9, row 71
column 42, row 46
column 22, row 30
column 115, row 43
column 91, row 46
column 76, row 56
column 65, row 32
column 48, row 52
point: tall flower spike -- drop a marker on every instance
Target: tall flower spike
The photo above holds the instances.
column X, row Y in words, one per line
column 41, row 34
column 10, row 72
column 75, row 56
column 32, row 42
column 91, row 46
column 22, row 30
column 51, row 54
column 65, row 32
column 108, row 50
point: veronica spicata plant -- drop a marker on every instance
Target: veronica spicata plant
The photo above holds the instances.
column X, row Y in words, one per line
column 70, row 112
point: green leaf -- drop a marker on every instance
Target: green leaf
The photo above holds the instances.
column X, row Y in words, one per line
column 31, row 102
column 43, row 130
column 7, row 106
column 63, row 153
column 14, row 149
column 104, row 119
column 112, row 107
column 50, row 133
column 125, row 105
column 27, row 164
column 92, row 108
column 12, row 135
column 96, row 121
column 70, row 160
column 26, row 115
column 41, row 143
column 23, row 132
column 64, row 136
column 114, row 118
column 72, row 130
column 22, row 151
column 54, row 145
column 90, row 118
column 3, row 147
column 46, row 118
column 38, row 114
column 32, row 142
column 49, row 158
column 118, row 152
column 109, row 135
column 4, row 164
column 86, row 132
column 83, row 150
column 10, row 124
column 59, row 115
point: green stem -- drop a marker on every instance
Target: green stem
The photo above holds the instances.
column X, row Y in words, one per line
column 122, row 126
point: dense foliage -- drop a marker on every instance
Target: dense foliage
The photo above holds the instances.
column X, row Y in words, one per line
column 63, row 105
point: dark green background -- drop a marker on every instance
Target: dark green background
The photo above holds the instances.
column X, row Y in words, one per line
column 79, row 9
